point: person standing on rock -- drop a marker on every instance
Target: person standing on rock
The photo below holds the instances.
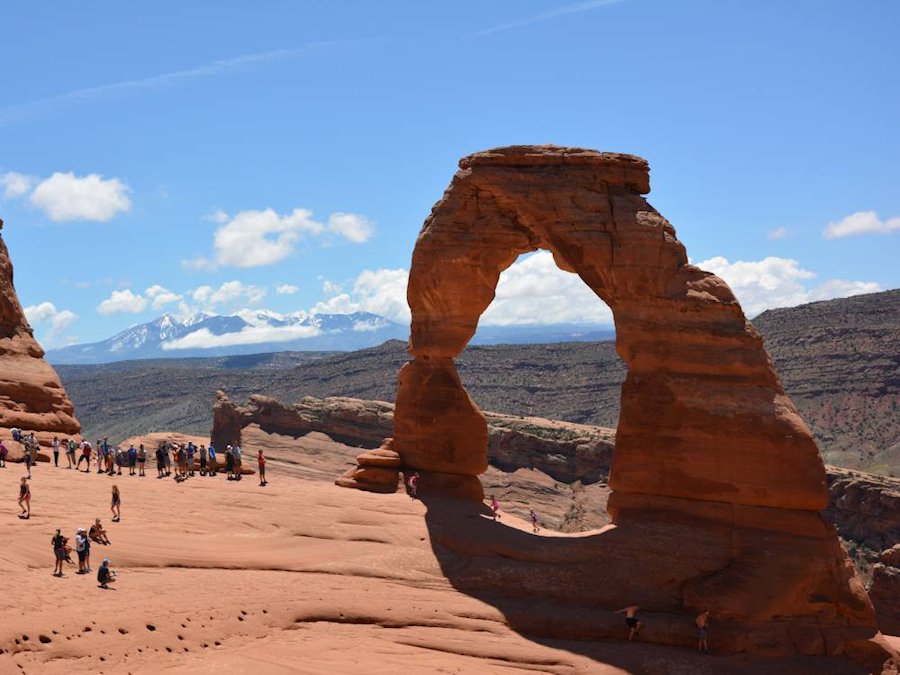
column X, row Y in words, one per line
column 81, row 544
column 55, row 451
column 213, row 464
column 702, row 624
column 132, row 459
column 85, row 455
column 229, row 463
column 535, row 524
column 631, row 620
column 25, row 499
column 4, row 451
column 191, row 450
column 203, row 456
column 413, row 484
column 59, row 552
column 116, row 506
column 236, row 453
column 495, row 508
column 27, row 459
column 261, row 463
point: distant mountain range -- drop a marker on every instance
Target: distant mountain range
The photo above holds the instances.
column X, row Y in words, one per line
column 261, row 331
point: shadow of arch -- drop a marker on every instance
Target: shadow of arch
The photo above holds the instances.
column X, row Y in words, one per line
column 717, row 481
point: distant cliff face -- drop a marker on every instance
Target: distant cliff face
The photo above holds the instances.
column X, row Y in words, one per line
column 840, row 362
column 31, row 394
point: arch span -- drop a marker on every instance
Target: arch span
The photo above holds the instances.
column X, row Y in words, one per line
column 717, row 481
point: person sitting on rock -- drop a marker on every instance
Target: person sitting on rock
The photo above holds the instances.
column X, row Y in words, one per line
column 631, row 620
column 98, row 534
column 105, row 575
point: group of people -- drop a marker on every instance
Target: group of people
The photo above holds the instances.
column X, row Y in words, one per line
column 183, row 459
column 83, row 538
column 701, row 624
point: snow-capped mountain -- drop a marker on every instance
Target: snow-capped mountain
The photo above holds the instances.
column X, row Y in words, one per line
column 246, row 332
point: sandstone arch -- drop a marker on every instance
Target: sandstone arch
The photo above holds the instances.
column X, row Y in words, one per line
column 710, row 452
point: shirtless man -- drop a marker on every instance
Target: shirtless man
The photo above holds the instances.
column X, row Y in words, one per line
column 631, row 620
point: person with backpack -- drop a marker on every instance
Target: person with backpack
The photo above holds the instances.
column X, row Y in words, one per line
column 191, row 449
column 82, row 548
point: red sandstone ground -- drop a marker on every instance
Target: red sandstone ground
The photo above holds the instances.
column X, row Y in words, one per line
column 300, row 576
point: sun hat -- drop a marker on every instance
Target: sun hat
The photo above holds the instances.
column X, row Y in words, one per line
column 106, row 560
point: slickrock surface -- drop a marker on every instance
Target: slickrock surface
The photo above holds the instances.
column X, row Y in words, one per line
column 31, row 394
column 302, row 576
column 709, row 448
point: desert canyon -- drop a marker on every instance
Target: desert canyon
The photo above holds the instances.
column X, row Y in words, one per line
column 714, row 487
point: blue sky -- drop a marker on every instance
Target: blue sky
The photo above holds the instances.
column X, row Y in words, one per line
column 204, row 155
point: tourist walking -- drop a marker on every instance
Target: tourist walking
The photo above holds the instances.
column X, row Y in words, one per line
column 27, row 460
column 55, row 451
column 25, row 499
column 535, row 524
column 116, row 506
column 70, row 452
column 85, row 456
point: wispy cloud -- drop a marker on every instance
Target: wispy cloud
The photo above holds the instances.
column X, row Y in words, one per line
column 43, row 106
column 545, row 16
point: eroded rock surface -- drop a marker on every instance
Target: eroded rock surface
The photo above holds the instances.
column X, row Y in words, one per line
column 717, row 480
column 31, row 394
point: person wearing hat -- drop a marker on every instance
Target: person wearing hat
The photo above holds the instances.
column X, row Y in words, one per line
column 105, row 575
column 82, row 544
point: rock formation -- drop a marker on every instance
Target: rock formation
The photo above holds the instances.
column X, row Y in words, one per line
column 717, row 480
column 885, row 591
column 32, row 397
column 565, row 451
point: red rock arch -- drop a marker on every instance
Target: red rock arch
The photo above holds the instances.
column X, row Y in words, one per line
column 710, row 453
column 703, row 414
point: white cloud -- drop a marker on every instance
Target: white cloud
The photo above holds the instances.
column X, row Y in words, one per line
column 286, row 289
column 231, row 295
column 15, row 184
column 258, row 238
column 534, row 290
column 861, row 222
column 381, row 292
column 777, row 233
column 249, row 335
column 545, row 16
column 351, row 226
column 122, row 302
column 64, row 197
column 778, row 282
column 56, row 321
column 161, row 296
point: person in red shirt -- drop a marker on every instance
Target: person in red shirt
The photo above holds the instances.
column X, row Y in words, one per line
column 261, row 461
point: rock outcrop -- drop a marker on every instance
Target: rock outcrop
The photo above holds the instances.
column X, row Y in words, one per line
column 564, row 451
column 864, row 507
column 717, row 480
column 885, row 591
column 31, row 394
